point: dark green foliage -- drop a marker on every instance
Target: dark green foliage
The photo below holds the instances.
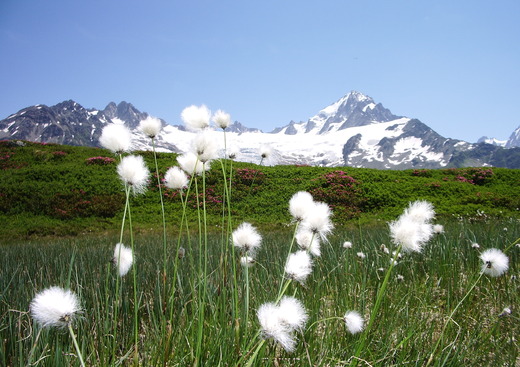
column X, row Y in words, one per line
column 63, row 186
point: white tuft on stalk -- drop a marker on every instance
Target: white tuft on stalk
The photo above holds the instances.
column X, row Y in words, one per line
column 133, row 172
column 191, row 164
column 54, row 307
column 410, row 234
column 222, row 119
column 318, row 220
column 420, row 211
column 292, row 313
column 175, row 178
column 150, row 126
column 438, row 228
column 300, row 205
column 298, row 266
column 117, row 138
column 123, row 259
column 495, row 262
column 273, row 327
column 308, row 241
column 196, row 117
column 353, row 321
column 204, row 147
column 247, row 261
column 246, row 238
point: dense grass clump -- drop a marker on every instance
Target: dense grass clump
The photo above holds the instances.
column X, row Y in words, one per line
column 422, row 291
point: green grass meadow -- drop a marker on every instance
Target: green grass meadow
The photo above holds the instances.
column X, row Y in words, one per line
column 61, row 219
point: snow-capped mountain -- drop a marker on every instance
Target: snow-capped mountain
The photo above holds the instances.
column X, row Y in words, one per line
column 353, row 131
column 514, row 139
column 492, row 141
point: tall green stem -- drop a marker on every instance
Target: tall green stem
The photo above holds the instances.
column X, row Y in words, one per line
column 78, row 351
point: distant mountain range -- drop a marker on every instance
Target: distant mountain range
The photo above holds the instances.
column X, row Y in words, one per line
column 353, row 131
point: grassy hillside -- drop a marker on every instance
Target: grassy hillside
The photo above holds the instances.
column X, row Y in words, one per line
column 64, row 190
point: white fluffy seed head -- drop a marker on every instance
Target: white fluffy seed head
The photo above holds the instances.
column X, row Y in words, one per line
column 133, row 171
column 265, row 151
column 273, row 327
column 175, row 178
column 438, row 228
column 191, row 164
column 318, row 220
column 353, row 321
column 420, row 211
column 150, row 126
column 495, row 262
column 347, row 244
column 292, row 313
column 204, row 147
column 123, row 259
column 308, row 241
column 222, row 119
column 298, row 266
column 410, row 234
column 247, row 261
column 117, row 138
column 54, row 307
column 246, row 238
column 196, row 117
column 300, row 205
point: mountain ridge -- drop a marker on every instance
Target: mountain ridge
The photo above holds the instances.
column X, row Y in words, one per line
column 353, row 131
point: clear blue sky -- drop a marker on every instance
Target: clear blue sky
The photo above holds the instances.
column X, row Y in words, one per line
column 455, row 65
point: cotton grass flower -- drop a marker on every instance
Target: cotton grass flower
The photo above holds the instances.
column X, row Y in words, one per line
column 318, row 220
column 274, row 328
column 438, row 228
column 150, row 126
column 175, row 178
column 420, row 211
column 308, row 241
column 196, row 117
column 204, row 147
column 292, row 313
column 247, row 261
column 190, row 164
column 54, row 307
column 354, row 322
column 475, row 245
column 222, row 119
column 246, row 238
column 117, row 138
column 300, row 205
column 133, row 172
column 298, row 266
column 123, row 259
column 495, row 262
column 265, row 151
column 361, row 255
column 410, row 234
column 347, row 244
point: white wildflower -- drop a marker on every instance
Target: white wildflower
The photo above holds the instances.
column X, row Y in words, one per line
column 495, row 262
column 133, row 172
column 222, row 119
column 54, row 307
column 438, row 228
column 353, row 321
column 175, row 178
column 123, row 259
column 247, row 261
column 300, row 205
column 150, row 126
column 420, row 211
column 318, row 220
column 475, row 245
column 117, row 138
column 409, row 233
column 190, row 164
column 292, row 313
column 196, row 117
column 400, row 277
column 246, row 238
column 308, row 241
column 361, row 255
column 298, row 266
column 204, row 147
column 347, row 244
column 273, row 327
